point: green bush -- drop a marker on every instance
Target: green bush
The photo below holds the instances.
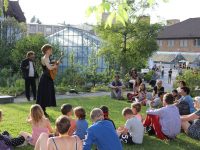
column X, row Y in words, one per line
column 192, row 79
column 100, row 88
column 148, row 76
column 15, row 86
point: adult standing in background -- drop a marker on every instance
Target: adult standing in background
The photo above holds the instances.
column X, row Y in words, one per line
column 170, row 76
column 29, row 74
column 46, row 92
column 162, row 71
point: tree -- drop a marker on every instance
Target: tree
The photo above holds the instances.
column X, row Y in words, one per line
column 33, row 19
column 129, row 46
column 34, row 43
column 3, row 6
column 10, row 32
column 91, row 68
column 38, row 21
column 120, row 10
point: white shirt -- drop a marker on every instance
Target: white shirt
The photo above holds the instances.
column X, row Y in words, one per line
column 136, row 129
column 31, row 69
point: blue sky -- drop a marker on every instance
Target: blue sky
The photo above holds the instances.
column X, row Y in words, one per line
column 73, row 11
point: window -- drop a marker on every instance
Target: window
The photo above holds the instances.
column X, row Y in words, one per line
column 32, row 28
column 170, row 43
column 48, row 30
column 40, row 28
column 183, row 43
column 159, row 42
column 197, row 42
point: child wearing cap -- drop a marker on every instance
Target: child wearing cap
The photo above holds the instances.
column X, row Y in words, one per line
column 192, row 130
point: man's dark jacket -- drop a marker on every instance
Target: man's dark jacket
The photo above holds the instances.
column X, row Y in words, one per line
column 25, row 71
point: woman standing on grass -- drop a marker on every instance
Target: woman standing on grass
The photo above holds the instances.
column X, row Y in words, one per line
column 46, row 92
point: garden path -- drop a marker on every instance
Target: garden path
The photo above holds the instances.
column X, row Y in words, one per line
column 168, row 88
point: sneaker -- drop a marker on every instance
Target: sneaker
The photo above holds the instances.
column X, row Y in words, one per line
column 23, row 144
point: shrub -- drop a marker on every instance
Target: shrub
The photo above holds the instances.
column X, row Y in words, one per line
column 100, row 88
column 148, row 76
column 192, row 79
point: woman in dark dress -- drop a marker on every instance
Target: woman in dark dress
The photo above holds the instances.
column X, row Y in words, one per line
column 46, row 92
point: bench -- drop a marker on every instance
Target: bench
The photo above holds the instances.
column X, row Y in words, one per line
column 4, row 99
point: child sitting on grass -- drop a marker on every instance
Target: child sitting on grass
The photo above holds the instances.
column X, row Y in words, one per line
column 106, row 114
column 141, row 97
column 67, row 110
column 39, row 124
column 6, row 141
column 81, row 123
column 157, row 102
column 133, row 131
column 136, row 108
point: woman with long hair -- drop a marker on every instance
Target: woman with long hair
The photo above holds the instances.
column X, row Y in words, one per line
column 46, row 92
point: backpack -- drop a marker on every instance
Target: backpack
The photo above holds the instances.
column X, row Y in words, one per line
column 3, row 146
column 184, row 108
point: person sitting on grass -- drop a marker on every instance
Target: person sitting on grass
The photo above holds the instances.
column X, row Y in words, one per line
column 192, row 130
column 181, row 84
column 141, row 97
column 157, row 102
column 185, row 91
column 106, row 114
column 102, row 133
column 136, row 108
column 67, row 110
column 61, row 142
column 39, row 124
column 165, row 122
column 116, row 88
column 133, row 131
column 81, row 123
column 158, row 88
column 7, row 142
column 136, row 87
column 176, row 95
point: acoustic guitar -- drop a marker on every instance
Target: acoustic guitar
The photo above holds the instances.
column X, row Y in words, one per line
column 54, row 72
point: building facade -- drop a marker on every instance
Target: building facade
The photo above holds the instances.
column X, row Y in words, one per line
column 180, row 39
column 46, row 30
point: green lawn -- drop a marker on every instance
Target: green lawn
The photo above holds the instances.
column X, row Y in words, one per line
column 14, row 121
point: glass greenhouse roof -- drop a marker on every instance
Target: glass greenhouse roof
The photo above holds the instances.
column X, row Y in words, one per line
column 80, row 41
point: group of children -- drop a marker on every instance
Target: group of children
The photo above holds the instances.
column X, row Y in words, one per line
column 163, row 120
column 78, row 127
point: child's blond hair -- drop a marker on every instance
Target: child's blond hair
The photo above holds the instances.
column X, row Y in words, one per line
column 36, row 113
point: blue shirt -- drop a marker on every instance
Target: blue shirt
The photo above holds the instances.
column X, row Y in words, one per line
column 169, row 119
column 189, row 100
column 81, row 127
column 103, row 135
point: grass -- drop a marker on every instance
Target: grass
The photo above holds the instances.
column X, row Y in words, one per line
column 15, row 115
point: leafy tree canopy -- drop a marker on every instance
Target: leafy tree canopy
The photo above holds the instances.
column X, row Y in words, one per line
column 120, row 11
column 130, row 46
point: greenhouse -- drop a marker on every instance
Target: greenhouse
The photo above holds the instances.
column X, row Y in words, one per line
column 80, row 41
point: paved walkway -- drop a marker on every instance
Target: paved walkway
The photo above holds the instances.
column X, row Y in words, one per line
column 168, row 88
column 67, row 95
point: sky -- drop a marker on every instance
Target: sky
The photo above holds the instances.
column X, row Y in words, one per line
column 73, row 11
